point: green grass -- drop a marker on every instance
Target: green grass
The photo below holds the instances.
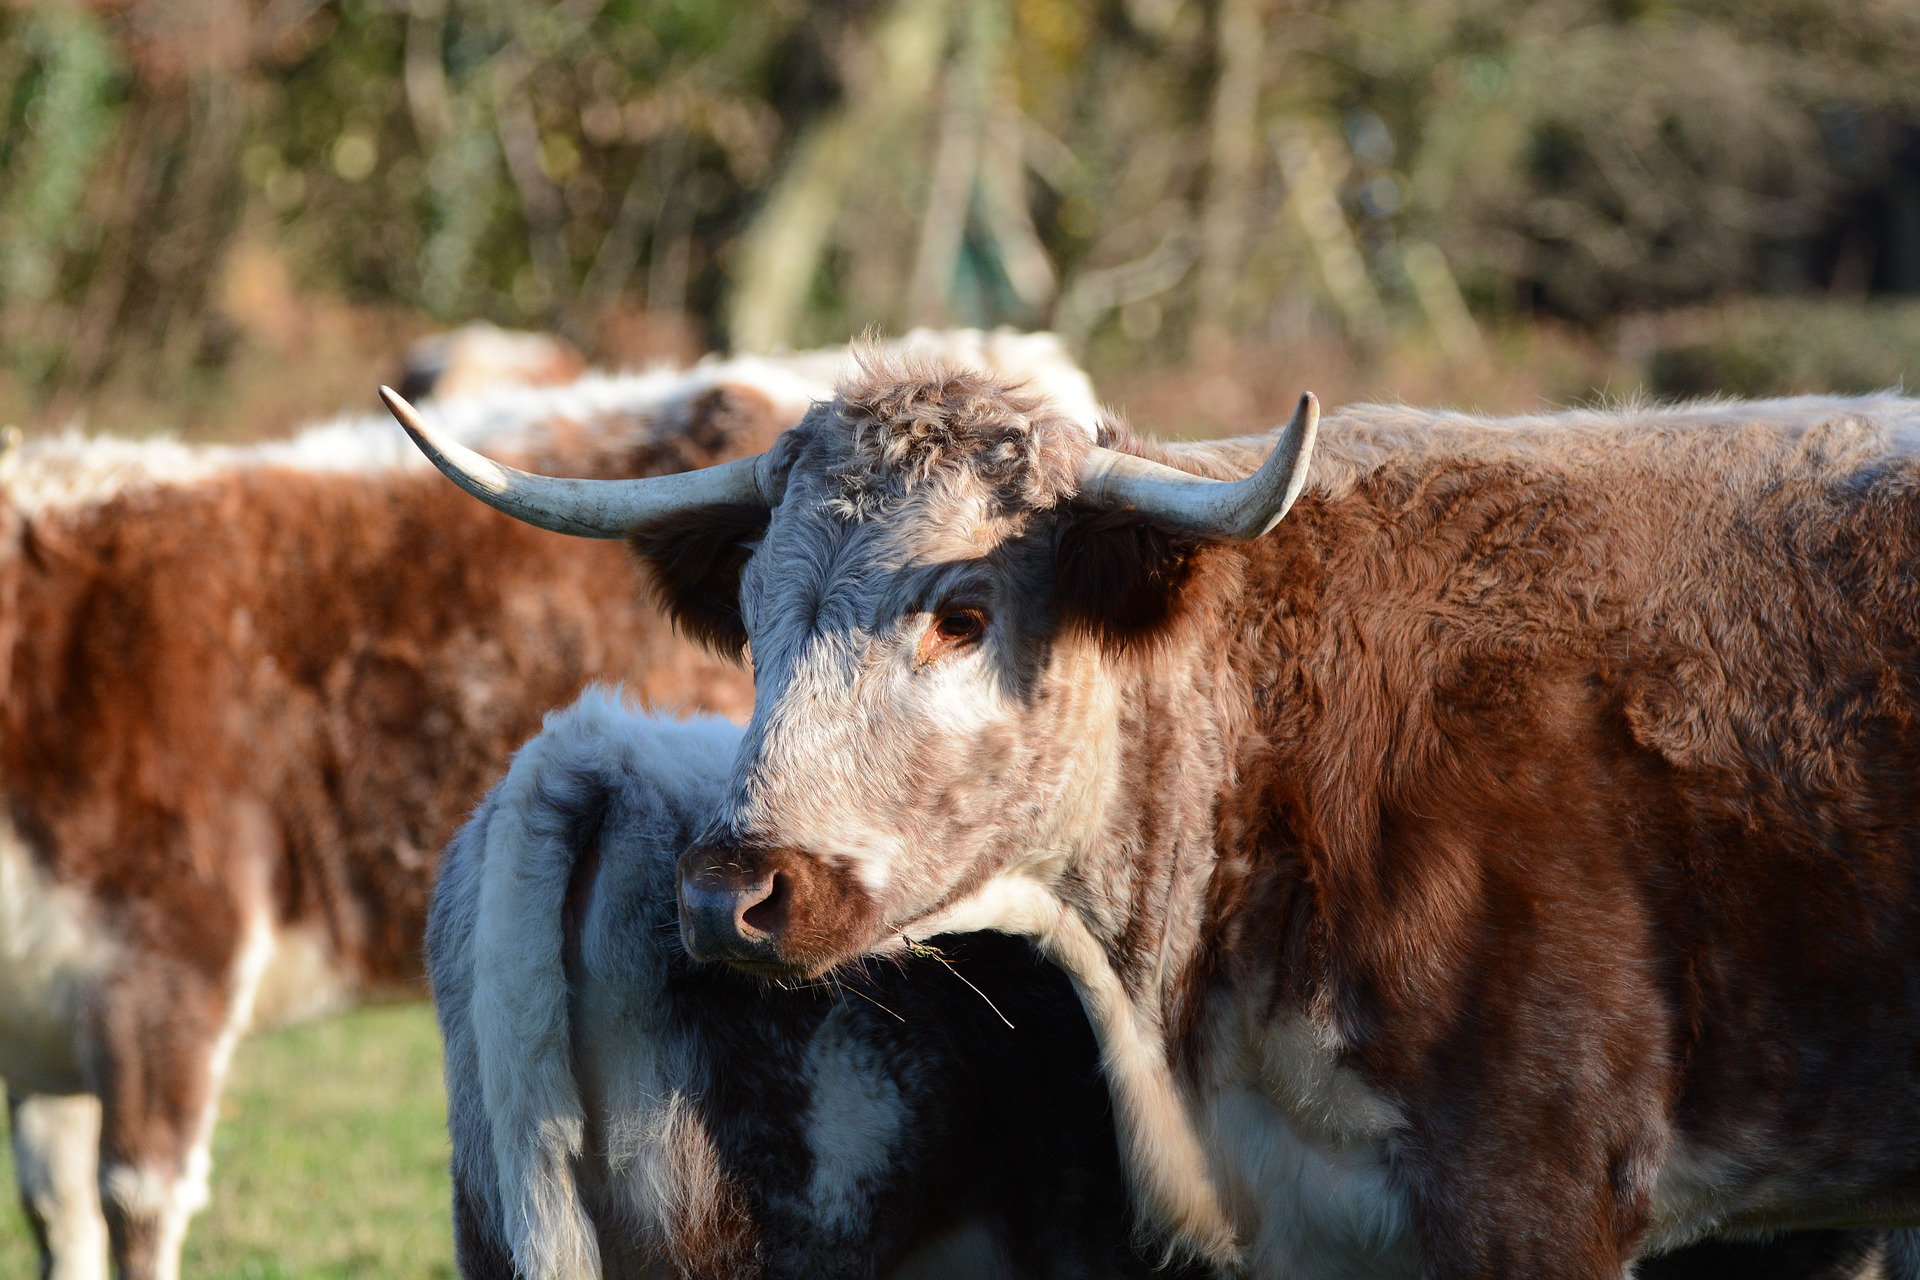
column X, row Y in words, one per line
column 330, row 1161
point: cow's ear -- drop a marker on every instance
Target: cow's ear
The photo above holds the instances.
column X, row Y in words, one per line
column 1123, row 579
column 693, row 565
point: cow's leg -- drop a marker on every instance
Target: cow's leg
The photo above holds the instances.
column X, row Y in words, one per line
column 56, row 1143
column 161, row 1033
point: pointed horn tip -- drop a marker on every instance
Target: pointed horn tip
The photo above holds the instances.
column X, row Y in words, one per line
column 404, row 413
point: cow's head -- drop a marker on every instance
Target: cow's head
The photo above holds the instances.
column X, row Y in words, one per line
column 929, row 573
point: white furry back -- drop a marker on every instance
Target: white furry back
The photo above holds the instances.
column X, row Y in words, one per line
column 526, row 838
column 71, row 469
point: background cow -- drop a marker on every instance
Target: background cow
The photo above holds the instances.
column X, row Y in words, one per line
column 246, row 694
column 480, row 357
column 1504, row 866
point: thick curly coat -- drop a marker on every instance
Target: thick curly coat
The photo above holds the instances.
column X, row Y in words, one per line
column 904, row 417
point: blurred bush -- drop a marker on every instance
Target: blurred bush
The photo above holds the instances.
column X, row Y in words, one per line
column 193, row 191
column 1779, row 347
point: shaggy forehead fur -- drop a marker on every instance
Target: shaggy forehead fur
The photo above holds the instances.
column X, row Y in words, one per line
column 900, row 421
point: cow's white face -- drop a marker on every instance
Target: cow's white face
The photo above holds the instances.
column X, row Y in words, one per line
column 926, row 722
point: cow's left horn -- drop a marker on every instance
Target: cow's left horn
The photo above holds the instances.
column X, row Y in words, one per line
column 584, row 508
column 1236, row 509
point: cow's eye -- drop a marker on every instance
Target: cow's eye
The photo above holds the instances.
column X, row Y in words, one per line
column 960, row 626
column 952, row 629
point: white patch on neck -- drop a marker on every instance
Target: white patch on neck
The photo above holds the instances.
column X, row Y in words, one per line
column 1011, row 903
column 1162, row 1149
column 1281, row 1163
column 854, row 1122
column 52, row 950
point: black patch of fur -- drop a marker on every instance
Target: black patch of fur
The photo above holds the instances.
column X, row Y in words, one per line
column 1801, row 1255
column 1122, row 579
column 478, row 1249
column 693, row 569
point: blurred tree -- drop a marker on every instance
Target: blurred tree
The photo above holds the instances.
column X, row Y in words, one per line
column 1139, row 173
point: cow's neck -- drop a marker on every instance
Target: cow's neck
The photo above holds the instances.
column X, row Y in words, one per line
column 1126, row 921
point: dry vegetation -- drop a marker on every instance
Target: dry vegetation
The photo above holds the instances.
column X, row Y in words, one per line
column 217, row 216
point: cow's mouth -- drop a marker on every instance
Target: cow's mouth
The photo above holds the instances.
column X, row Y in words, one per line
column 768, row 970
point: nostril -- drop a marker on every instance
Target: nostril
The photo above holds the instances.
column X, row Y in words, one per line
column 768, row 916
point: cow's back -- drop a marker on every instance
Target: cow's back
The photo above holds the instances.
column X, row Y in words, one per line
column 261, row 683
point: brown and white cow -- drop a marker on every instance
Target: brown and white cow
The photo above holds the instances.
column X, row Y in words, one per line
column 1505, row 865
column 246, row 695
column 481, row 357
column 617, row 1109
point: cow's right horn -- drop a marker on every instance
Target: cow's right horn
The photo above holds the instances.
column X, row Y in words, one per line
column 583, row 508
column 1236, row 509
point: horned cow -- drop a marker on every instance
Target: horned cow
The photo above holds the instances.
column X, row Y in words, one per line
column 1507, row 864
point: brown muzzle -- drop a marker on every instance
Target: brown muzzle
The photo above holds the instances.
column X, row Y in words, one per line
column 770, row 909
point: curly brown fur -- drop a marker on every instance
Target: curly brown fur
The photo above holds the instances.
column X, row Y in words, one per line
column 907, row 418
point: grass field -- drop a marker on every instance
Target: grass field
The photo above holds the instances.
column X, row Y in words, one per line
column 330, row 1160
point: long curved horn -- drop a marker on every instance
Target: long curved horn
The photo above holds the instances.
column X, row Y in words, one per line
column 1234, row 509
column 583, row 508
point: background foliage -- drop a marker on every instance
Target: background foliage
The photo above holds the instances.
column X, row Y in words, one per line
column 199, row 190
